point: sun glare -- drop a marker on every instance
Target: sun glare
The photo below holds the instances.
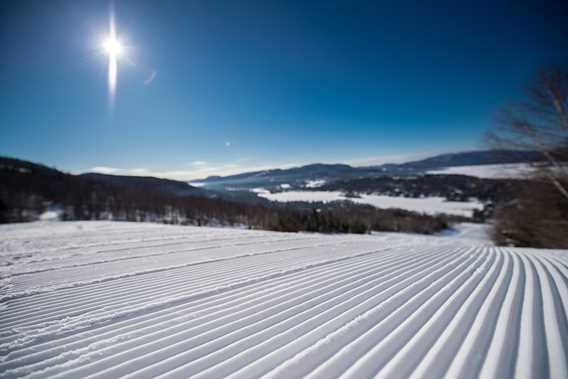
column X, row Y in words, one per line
column 112, row 46
column 114, row 49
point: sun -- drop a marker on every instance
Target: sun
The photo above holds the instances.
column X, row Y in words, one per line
column 113, row 47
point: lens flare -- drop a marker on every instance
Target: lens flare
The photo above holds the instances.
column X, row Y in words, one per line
column 114, row 49
column 112, row 46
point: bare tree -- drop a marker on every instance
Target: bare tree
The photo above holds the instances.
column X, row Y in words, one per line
column 540, row 123
column 538, row 216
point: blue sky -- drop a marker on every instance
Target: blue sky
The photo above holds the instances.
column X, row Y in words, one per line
column 244, row 85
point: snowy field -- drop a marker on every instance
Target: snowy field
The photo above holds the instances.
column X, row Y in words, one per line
column 491, row 171
column 108, row 300
column 427, row 205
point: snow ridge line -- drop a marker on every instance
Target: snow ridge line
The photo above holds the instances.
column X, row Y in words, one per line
column 262, row 278
column 19, row 295
column 181, row 291
column 254, row 361
column 167, row 344
column 237, row 243
column 387, row 306
column 218, row 302
column 325, row 359
column 156, row 282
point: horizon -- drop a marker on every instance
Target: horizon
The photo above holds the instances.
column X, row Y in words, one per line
column 199, row 169
column 194, row 177
column 226, row 87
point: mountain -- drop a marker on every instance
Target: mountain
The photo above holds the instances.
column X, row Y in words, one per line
column 318, row 174
column 31, row 192
column 473, row 158
column 147, row 182
column 289, row 178
column 17, row 168
column 28, row 190
column 173, row 187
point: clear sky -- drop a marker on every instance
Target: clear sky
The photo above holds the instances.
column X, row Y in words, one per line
column 214, row 87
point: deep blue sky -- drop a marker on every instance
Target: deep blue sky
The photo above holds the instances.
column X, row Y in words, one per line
column 283, row 81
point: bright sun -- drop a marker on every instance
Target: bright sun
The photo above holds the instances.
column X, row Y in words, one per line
column 112, row 46
column 114, row 49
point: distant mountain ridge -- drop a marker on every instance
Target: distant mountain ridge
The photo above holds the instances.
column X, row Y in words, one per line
column 180, row 188
column 175, row 187
column 27, row 190
column 32, row 192
column 475, row 158
column 297, row 177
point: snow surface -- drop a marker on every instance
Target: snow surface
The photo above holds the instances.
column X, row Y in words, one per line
column 314, row 183
column 196, row 184
column 108, row 300
column 428, row 205
column 492, row 171
column 50, row 216
column 478, row 232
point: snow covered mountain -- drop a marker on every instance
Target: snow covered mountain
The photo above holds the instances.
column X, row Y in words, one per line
column 305, row 176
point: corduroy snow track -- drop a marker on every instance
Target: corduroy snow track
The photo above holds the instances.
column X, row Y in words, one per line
column 111, row 300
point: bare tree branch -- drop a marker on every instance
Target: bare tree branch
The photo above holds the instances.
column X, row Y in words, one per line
column 540, row 123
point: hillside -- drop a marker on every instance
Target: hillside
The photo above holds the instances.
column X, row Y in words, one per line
column 175, row 187
column 301, row 177
column 31, row 192
column 475, row 158
column 28, row 190
column 107, row 300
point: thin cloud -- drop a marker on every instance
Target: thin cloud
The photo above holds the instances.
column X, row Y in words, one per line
column 120, row 171
column 199, row 170
column 151, row 78
column 198, row 163
column 104, row 170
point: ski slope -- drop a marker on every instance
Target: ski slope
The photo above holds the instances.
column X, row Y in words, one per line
column 108, row 300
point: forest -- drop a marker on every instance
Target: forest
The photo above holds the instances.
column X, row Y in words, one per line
column 27, row 190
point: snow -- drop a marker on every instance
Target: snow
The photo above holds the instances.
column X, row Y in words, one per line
column 428, row 205
column 112, row 299
column 477, row 232
column 495, row 171
column 314, row 183
column 50, row 216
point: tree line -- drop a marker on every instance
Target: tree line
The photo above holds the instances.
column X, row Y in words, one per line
column 28, row 189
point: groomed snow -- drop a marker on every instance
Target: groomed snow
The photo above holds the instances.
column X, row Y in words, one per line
column 108, row 300
column 428, row 205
